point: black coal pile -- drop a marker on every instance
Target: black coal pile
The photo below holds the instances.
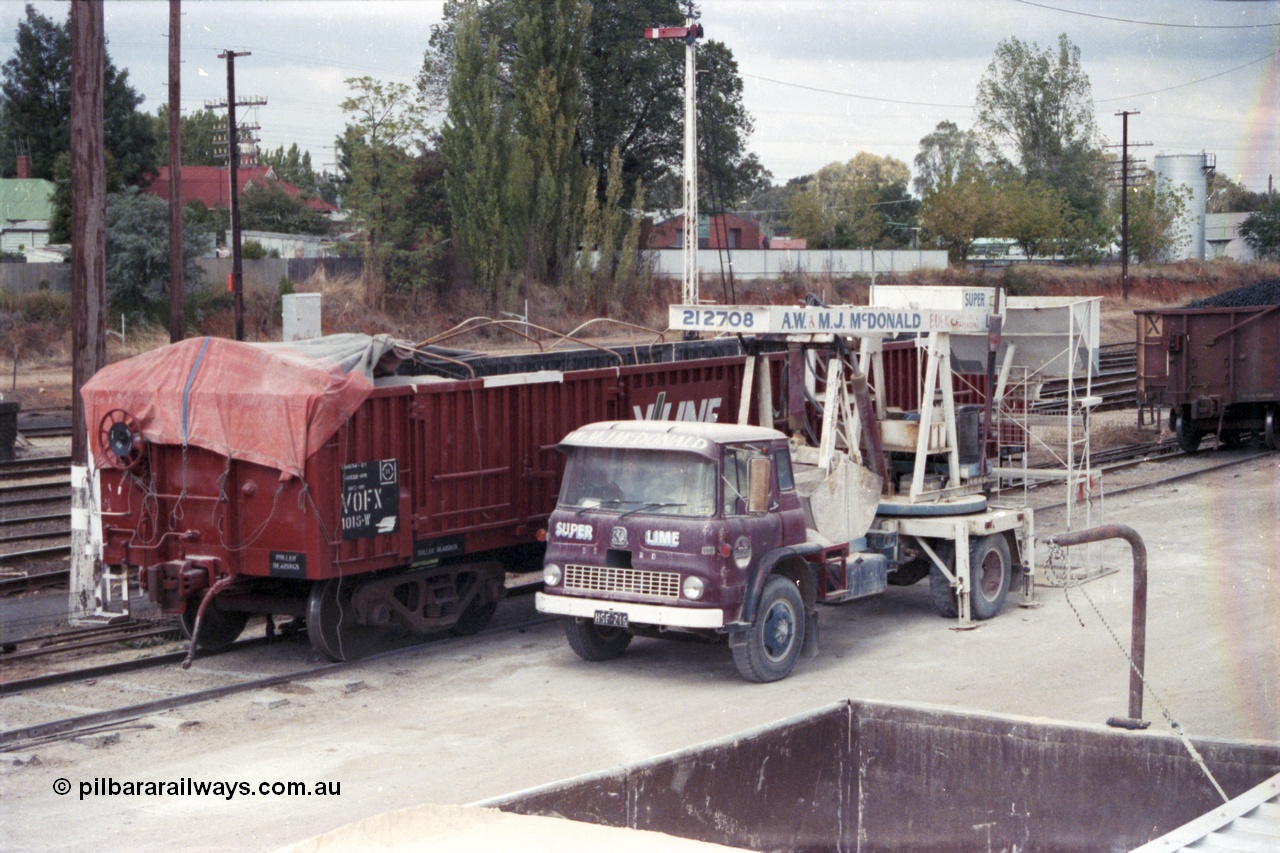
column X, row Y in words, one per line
column 1261, row 294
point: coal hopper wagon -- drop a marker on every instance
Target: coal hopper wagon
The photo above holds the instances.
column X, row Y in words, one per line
column 297, row 480
column 1214, row 368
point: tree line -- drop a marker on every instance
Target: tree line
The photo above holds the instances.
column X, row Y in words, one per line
column 1033, row 169
column 538, row 132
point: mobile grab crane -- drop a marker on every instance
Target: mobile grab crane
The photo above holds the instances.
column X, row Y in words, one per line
column 738, row 531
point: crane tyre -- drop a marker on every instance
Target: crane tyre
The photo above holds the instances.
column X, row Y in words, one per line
column 594, row 643
column 775, row 639
column 940, row 590
column 990, row 568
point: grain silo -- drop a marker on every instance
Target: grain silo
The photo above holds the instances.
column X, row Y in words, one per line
column 1175, row 171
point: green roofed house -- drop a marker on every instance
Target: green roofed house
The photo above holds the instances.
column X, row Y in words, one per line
column 26, row 204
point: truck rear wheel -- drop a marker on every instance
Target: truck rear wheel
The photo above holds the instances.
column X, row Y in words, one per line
column 594, row 643
column 775, row 639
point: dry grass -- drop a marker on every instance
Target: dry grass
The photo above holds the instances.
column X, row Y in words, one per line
column 424, row 315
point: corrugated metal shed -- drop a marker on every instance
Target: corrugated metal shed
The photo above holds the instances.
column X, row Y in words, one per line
column 1250, row 822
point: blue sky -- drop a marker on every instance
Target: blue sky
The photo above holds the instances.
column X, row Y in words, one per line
column 823, row 79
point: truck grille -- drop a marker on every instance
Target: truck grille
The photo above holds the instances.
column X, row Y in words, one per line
column 630, row 581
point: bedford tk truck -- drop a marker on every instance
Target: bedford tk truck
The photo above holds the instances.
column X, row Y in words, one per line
column 687, row 527
column 666, row 529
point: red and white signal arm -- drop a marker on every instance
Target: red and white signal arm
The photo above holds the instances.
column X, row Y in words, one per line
column 694, row 32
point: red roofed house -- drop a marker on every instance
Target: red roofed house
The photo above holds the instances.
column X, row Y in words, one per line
column 722, row 231
column 210, row 185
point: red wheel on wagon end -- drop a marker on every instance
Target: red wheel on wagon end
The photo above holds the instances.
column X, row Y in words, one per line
column 120, row 438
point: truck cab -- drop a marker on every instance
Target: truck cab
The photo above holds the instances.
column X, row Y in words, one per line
column 683, row 527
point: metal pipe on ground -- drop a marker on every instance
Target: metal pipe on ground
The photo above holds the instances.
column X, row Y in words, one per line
column 1138, row 642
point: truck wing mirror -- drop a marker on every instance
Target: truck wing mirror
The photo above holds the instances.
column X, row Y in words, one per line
column 758, row 488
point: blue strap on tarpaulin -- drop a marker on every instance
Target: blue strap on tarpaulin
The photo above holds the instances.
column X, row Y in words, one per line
column 186, row 392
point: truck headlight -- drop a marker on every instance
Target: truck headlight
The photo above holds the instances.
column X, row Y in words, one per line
column 551, row 574
column 692, row 588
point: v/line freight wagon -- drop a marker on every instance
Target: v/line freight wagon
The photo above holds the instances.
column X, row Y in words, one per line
column 1212, row 371
column 241, row 479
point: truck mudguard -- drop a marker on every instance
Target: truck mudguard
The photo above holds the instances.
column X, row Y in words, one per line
column 760, row 573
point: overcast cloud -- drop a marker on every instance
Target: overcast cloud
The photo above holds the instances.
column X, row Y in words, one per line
column 890, row 69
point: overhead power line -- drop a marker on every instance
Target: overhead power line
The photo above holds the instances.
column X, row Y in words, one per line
column 860, row 97
column 1189, row 82
column 970, row 106
column 1147, row 23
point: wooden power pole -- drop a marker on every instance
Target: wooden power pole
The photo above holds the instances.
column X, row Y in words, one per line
column 177, row 318
column 233, row 167
column 88, row 271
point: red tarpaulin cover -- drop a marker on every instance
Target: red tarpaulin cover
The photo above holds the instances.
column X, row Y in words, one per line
column 267, row 406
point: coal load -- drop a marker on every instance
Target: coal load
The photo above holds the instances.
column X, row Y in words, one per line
column 1251, row 295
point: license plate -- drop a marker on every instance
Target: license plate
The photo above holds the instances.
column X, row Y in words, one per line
column 611, row 618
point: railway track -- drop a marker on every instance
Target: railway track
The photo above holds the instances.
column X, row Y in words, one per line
column 45, row 423
column 1116, row 382
column 85, row 638
column 27, row 737
column 35, row 520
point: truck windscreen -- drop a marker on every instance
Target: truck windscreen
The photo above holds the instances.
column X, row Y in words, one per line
column 661, row 482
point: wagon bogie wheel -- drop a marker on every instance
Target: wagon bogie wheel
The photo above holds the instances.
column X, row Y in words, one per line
column 218, row 628
column 1187, row 434
column 332, row 624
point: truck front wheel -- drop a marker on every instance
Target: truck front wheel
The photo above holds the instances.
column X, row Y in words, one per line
column 594, row 643
column 774, row 640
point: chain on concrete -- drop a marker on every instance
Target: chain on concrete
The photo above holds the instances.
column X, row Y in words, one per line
column 1056, row 575
column 1056, row 551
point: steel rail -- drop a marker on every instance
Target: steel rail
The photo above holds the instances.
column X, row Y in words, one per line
column 36, row 461
column 30, row 537
column 31, row 487
column 70, row 676
column 25, row 583
column 34, row 553
column 139, row 632
column 14, row 739
column 34, row 519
